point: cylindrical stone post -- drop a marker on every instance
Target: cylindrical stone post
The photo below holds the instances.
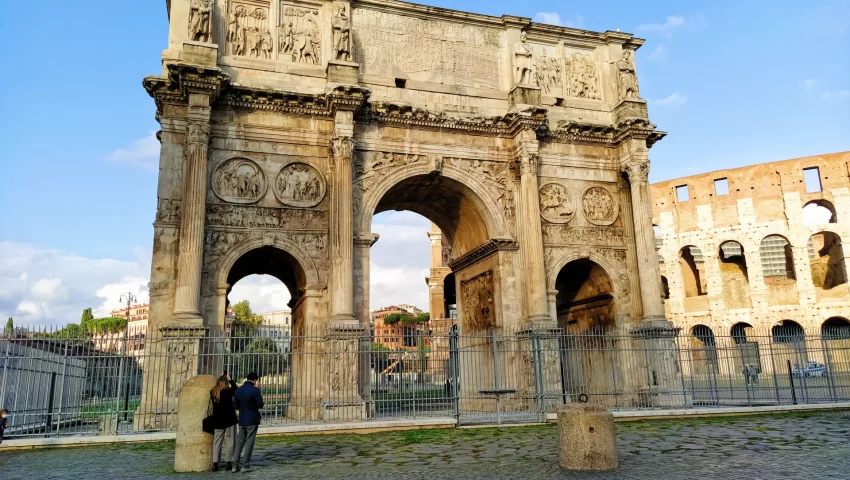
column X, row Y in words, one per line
column 650, row 276
column 532, row 242
column 191, row 252
column 193, row 450
column 586, row 438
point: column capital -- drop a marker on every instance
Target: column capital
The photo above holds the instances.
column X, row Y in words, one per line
column 637, row 171
column 528, row 163
column 366, row 240
column 342, row 146
column 197, row 132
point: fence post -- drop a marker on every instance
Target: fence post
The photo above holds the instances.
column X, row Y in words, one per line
column 773, row 367
column 49, row 416
column 791, row 379
column 454, row 358
column 62, row 387
column 538, row 375
column 681, row 371
column 830, row 380
column 120, row 381
column 6, row 370
column 747, row 378
column 613, row 370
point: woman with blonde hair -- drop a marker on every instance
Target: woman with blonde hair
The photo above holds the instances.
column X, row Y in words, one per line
column 224, row 420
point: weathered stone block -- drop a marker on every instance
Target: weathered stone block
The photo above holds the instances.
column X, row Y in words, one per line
column 193, row 451
column 586, row 439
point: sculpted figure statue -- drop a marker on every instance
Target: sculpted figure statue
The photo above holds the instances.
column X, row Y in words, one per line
column 526, row 70
column 199, row 20
column 627, row 77
column 342, row 35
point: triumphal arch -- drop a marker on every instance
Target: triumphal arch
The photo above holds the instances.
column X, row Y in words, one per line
column 288, row 124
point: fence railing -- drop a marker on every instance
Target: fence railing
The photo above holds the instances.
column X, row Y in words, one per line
column 57, row 384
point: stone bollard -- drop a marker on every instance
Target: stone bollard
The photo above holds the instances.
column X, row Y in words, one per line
column 193, row 452
column 586, row 438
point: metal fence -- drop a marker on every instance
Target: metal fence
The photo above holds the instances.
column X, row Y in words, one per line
column 56, row 384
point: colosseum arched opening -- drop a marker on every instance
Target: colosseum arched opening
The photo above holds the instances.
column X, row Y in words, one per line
column 733, row 273
column 777, row 264
column 826, row 257
column 692, row 264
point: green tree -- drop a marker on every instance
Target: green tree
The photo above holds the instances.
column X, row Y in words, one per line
column 10, row 327
column 86, row 317
column 244, row 326
column 423, row 317
column 393, row 318
column 105, row 325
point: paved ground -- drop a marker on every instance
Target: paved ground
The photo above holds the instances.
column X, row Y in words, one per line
column 798, row 446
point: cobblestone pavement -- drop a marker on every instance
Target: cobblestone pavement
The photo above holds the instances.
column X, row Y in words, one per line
column 753, row 448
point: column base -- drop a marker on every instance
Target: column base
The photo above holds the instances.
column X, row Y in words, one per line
column 180, row 319
column 539, row 322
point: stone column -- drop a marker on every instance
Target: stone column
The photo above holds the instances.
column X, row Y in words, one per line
column 342, row 239
column 650, row 276
column 191, row 251
column 531, row 238
column 343, row 343
column 362, row 246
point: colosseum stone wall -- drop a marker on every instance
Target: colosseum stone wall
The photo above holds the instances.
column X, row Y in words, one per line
column 756, row 250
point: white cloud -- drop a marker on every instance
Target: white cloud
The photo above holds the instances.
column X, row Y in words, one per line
column 264, row 292
column 394, row 285
column 808, row 84
column 835, row 95
column 672, row 23
column 47, row 289
column 660, row 53
column 52, row 287
column 553, row 18
column 143, row 153
column 673, row 101
column 110, row 294
column 400, row 260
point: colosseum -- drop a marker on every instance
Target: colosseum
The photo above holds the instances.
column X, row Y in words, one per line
column 756, row 252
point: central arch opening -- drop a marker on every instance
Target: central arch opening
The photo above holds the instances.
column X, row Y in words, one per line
column 262, row 312
column 425, row 222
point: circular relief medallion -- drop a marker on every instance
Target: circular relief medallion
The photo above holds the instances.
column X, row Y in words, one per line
column 239, row 180
column 556, row 203
column 599, row 206
column 299, row 185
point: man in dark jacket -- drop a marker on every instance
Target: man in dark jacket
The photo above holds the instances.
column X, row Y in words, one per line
column 248, row 400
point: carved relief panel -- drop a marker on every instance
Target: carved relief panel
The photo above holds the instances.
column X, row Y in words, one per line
column 479, row 306
column 248, row 32
column 599, row 206
column 300, row 38
column 426, row 49
column 582, row 76
column 239, row 180
column 168, row 211
column 556, row 203
column 299, row 185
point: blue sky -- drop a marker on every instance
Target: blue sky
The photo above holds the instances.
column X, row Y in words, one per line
column 734, row 83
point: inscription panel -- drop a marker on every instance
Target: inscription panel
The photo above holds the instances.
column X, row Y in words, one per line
column 427, row 50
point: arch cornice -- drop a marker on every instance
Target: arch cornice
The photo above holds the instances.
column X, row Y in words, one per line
column 493, row 217
column 305, row 261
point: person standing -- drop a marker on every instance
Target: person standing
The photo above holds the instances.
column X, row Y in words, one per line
column 4, row 423
column 248, row 400
column 224, row 420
